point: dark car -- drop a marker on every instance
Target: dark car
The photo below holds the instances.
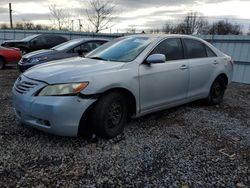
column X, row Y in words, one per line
column 72, row 48
column 35, row 42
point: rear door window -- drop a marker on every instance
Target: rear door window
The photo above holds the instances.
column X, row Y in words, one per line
column 195, row 49
column 52, row 40
column 171, row 48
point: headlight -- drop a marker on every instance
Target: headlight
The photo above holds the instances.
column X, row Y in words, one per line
column 36, row 60
column 63, row 89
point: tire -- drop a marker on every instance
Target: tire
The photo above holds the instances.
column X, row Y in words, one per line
column 2, row 63
column 109, row 115
column 217, row 92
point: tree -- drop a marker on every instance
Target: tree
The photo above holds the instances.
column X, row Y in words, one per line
column 192, row 24
column 28, row 25
column 59, row 17
column 168, row 28
column 225, row 28
column 4, row 26
column 100, row 14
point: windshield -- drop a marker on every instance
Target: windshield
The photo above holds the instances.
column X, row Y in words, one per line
column 66, row 45
column 121, row 49
column 29, row 38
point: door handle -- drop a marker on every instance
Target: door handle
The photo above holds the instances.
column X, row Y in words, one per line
column 183, row 67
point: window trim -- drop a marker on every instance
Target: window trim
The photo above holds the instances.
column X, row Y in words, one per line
column 207, row 47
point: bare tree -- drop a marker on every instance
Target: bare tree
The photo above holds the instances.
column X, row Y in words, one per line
column 225, row 28
column 59, row 17
column 27, row 25
column 193, row 23
column 168, row 28
column 100, row 14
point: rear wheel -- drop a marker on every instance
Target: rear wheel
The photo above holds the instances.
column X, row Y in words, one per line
column 217, row 92
column 2, row 63
column 109, row 115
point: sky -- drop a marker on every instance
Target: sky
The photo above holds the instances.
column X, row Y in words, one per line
column 132, row 14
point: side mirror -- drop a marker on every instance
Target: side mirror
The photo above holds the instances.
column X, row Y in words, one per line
column 156, row 58
column 34, row 42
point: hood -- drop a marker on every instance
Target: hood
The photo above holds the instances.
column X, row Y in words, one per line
column 14, row 41
column 9, row 49
column 40, row 53
column 70, row 70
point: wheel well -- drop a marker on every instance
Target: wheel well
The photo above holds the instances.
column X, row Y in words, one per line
column 224, row 77
column 84, row 127
column 128, row 95
column 1, row 57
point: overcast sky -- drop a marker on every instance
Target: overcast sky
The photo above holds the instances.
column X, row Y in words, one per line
column 140, row 14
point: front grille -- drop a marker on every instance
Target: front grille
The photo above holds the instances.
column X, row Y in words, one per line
column 23, row 87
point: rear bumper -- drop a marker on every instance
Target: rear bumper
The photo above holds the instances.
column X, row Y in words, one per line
column 56, row 115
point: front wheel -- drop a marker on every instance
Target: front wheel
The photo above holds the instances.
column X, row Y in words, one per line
column 109, row 115
column 217, row 92
column 2, row 63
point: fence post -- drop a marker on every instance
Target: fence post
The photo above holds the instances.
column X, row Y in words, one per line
column 4, row 36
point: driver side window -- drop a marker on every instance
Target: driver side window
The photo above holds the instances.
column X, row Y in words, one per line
column 171, row 48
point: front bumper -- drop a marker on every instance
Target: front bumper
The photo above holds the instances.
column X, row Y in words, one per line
column 56, row 115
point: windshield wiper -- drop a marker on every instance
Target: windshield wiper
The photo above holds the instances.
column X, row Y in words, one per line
column 98, row 58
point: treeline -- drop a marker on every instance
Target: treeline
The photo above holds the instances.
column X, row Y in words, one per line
column 26, row 25
column 193, row 23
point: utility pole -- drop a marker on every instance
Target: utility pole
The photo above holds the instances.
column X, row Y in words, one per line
column 72, row 25
column 10, row 10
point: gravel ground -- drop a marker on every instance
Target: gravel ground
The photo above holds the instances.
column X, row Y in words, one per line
column 190, row 146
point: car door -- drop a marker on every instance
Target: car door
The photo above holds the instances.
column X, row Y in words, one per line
column 202, row 64
column 166, row 83
column 38, row 43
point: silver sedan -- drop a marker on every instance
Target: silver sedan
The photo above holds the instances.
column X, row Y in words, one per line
column 127, row 77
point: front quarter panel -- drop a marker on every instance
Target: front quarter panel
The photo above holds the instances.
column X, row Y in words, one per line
column 125, row 77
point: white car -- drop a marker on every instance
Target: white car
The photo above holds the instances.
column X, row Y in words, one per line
column 129, row 76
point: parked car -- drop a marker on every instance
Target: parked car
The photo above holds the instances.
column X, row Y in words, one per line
column 9, row 55
column 129, row 76
column 35, row 42
column 72, row 48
